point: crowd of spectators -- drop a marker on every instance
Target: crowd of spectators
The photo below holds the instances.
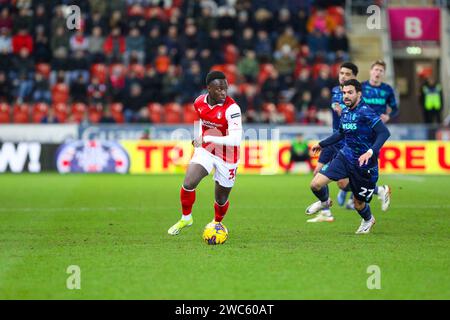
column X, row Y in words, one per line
column 280, row 57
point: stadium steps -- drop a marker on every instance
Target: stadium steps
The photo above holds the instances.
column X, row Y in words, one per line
column 365, row 45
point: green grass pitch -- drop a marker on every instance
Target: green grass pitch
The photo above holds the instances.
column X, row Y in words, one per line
column 115, row 229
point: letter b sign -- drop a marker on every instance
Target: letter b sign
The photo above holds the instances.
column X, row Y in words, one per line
column 413, row 28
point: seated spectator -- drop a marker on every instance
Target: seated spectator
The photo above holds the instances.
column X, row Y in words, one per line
column 263, row 47
column 50, row 117
column 207, row 61
column 22, row 40
column 60, row 65
column 152, row 42
column 189, row 57
column 134, row 105
column 323, row 103
column 339, row 48
column 135, row 44
column 270, row 89
column 321, row 21
column 96, row 20
column 302, row 83
column 285, row 64
column 117, row 84
column 162, row 60
column 318, row 45
column 107, row 116
column 5, row 88
column 42, row 51
column 170, row 85
column 303, row 104
column 23, row 19
column 22, row 73
column 5, row 42
column 97, row 91
column 247, row 40
column 251, row 103
column 79, row 65
column 248, row 66
column 191, row 83
column 78, row 89
column 287, row 38
column 79, row 42
column 6, row 20
column 115, row 45
column 310, row 116
column 171, row 42
column 41, row 89
column 96, row 45
column 60, row 39
column 323, row 80
column 284, row 21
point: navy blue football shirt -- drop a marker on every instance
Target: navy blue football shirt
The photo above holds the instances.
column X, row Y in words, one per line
column 380, row 97
column 357, row 126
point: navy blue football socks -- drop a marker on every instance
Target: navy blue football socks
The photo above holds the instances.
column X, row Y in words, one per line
column 322, row 194
column 365, row 213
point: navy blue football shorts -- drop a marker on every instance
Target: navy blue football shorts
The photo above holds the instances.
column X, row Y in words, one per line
column 362, row 180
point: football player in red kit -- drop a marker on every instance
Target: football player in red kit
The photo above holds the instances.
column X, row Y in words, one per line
column 217, row 147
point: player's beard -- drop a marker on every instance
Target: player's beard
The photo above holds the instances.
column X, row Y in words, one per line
column 353, row 103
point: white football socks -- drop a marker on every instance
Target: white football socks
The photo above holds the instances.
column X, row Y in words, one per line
column 186, row 218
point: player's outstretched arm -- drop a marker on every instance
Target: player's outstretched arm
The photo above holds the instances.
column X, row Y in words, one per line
column 335, row 138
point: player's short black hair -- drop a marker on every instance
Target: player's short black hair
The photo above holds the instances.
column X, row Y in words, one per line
column 355, row 83
column 351, row 66
column 213, row 75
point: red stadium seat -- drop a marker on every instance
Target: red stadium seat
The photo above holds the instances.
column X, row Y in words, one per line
column 288, row 110
column 116, row 112
column 231, row 72
column 95, row 113
column 78, row 111
column 189, row 113
column 118, row 69
column 172, row 113
column 44, row 69
column 61, row 112
column 60, row 93
column 21, row 113
column 138, row 69
column 317, row 68
column 5, row 113
column 264, row 71
column 100, row 71
column 40, row 110
column 231, row 54
column 155, row 111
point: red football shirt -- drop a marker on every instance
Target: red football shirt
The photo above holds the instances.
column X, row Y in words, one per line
column 216, row 121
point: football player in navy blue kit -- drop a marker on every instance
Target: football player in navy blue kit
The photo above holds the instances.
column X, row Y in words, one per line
column 363, row 134
column 381, row 98
column 347, row 71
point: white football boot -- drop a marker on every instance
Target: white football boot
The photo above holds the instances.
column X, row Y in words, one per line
column 365, row 226
column 384, row 194
column 323, row 216
column 317, row 206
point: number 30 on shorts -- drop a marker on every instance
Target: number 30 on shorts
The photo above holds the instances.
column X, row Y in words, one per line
column 364, row 191
column 232, row 174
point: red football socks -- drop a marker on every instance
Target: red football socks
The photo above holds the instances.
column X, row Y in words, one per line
column 220, row 211
column 187, row 198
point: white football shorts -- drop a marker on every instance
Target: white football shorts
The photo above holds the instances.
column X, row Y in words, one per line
column 225, row 173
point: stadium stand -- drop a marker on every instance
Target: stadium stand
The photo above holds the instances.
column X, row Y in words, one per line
column 137, row 61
